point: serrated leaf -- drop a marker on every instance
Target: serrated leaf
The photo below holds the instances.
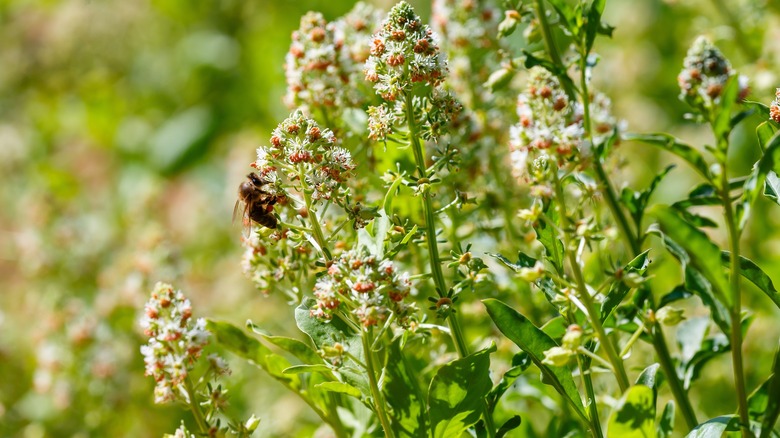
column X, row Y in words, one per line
column 618, row 290
column 704, row 255
column 457, row 394
column 535, row 342
column 402, row 394
column 677, row 147
column 755, row 275
column 634, row 415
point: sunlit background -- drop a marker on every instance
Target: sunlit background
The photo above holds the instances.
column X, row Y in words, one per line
column 125, row 128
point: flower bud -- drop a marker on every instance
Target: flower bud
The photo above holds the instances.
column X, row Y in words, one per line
column 573, row 337
column 557, row 356
column 531, row 274
column 670, row 316
column 500, row 78
column 252, row 423
column 509, row 24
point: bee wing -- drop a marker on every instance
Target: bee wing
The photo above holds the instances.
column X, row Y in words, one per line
column 235, row 210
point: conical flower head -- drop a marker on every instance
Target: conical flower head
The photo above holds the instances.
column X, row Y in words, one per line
column 404, row 52
column 704, row 75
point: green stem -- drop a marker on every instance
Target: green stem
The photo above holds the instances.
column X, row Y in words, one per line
column 595, row 423
column 319, row 237
column 433, row 249
column 669, row 370
column 614, row 208
column 195, row 408
column 379, row 402
column 549, row 44
column 587, row 300
column 736, row 309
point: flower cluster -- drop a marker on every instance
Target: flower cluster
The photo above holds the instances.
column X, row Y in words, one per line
column 774, row 109
column 550, row 125
column 308, row 156
column 368, row 287
column 468, row 31
column 314, row 77
column 175, row 341
column 268, row 263
column 403, row 52
column 704, row 75
column 352, row 35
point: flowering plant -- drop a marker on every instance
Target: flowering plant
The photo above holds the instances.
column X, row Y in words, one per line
column 376, row 361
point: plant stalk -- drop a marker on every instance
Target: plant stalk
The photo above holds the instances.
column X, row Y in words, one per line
column 195, row 408
column 675, row 384
column 379, row 402
column 433, row 249
column 549, row 44
column 595, row 423
column 587, row 300
column 319, row 237
column 736, row 309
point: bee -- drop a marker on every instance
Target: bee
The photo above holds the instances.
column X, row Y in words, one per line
column 257, row 201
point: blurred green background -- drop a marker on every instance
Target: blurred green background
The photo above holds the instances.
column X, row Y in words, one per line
column 125, row 128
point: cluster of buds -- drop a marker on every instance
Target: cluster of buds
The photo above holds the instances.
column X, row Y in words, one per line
column 312, row 67
column 704, row 75
column 406, row 63
column 308, row 156
column 550, row 128
column 366, row 286
column 176, row 341
column 468, row 29
column 774, row 109
column 268, row 264
column 325, row 60
column 353, row 36
column 403, row 52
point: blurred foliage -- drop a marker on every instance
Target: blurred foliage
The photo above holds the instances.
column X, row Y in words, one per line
column 125, row 128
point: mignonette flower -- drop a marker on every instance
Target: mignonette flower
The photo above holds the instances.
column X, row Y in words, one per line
column 551, row 132
column 366, row 286
column 704, row 75
column 403, row 53
column 352, row 35
column 175, row 341
column 300, row 148
column 312, row 67
column 774, row 109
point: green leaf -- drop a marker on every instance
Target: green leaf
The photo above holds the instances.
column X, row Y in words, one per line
column 510, row 424
column 696, row 283
column 716, row 427
column 236, row 341
column 773, row 404
column 704, row 255
column 566, row 13
column 387, row 205
column 594, row 24
column 764, row 133
column 666, row 423
column 300, row 369
column 677, row 147
column 696, row 349
column 457, row 394
column 523, row 261
column 677, row 294
column 300, row 350
column 402, row 394
column 634, row 415
column 548, row 237
column 535, row 342
column 636, row 202
column 722, row 124
column 755, row 275
column 619, row 289
column 769, row 163
column 328, row 333
column 341, row 388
